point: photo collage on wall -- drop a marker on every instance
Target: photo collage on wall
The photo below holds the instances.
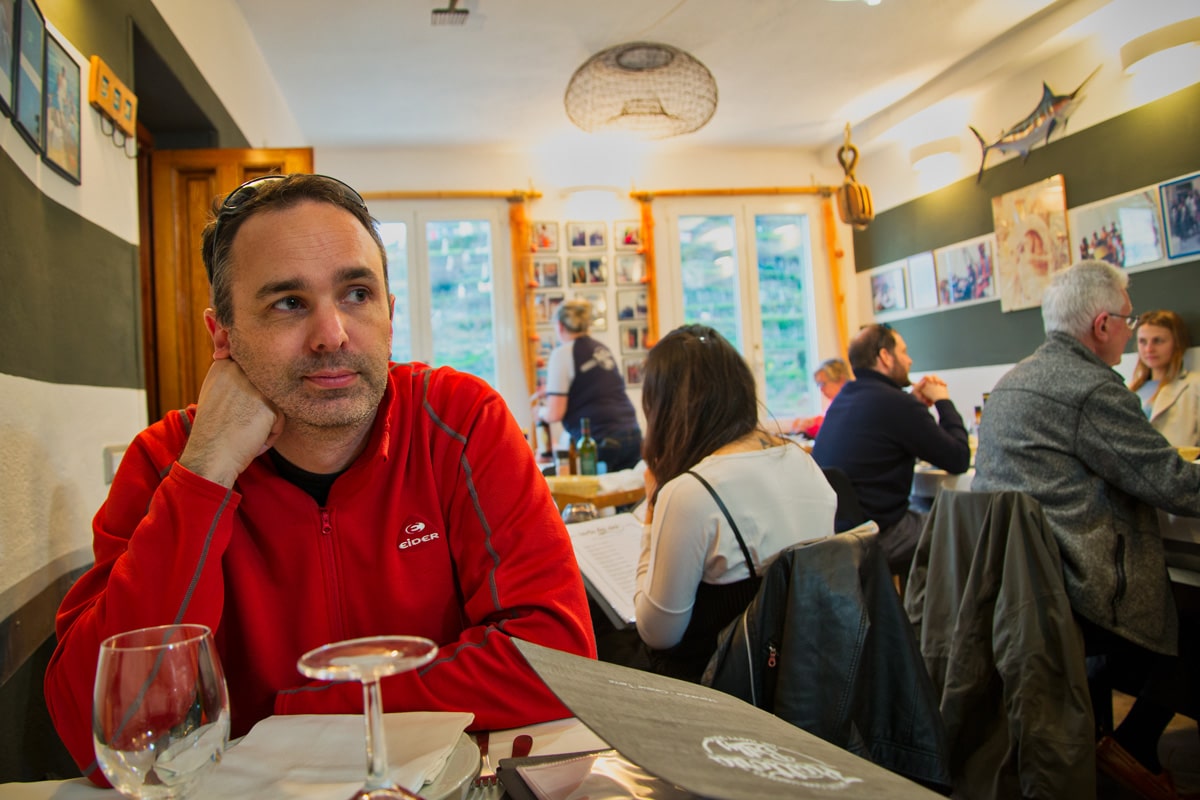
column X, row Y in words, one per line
column 599, row 262
column 1034, row 236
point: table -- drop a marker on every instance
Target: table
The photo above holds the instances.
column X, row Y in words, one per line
column 549, row 738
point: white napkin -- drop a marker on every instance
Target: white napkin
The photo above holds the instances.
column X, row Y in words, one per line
column 324, row 755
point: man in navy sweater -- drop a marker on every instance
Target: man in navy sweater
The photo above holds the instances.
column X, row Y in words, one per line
column 874, row 431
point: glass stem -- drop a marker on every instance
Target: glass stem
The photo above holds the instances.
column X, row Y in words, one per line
column 377, row 762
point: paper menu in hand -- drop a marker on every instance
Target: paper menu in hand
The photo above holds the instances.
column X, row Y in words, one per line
column 607, row 550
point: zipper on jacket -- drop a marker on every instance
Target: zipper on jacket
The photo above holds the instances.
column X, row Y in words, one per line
column 772, row 655
column 1119, row 594
column 332, row 593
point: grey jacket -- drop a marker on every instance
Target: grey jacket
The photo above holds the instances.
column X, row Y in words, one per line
column 986, row 599
column 1062, row 427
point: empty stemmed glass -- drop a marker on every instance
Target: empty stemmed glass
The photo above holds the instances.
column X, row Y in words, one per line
column 160, row 713
column 367, row 660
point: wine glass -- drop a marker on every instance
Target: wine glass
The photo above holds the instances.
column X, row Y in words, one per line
column 160, row 713
column 367, row 660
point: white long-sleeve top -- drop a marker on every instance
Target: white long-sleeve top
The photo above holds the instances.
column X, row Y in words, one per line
column 778, row 497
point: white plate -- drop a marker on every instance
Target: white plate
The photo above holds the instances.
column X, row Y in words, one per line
column 462, row 765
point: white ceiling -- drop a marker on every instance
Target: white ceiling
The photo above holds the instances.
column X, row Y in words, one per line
column 377, row 73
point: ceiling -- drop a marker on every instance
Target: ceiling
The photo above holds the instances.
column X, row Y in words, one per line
column 377, row 73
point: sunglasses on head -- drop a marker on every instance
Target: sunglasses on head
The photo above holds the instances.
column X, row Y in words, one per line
column 239, row 197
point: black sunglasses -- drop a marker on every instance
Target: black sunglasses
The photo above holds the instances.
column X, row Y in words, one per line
column 235, row 200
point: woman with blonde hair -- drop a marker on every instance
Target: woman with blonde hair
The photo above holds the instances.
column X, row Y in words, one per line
column 583, row 380
column 1170, row 394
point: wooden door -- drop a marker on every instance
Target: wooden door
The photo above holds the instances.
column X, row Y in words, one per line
column 182, row 187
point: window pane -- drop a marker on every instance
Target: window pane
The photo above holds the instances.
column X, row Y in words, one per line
column 708, row 252
column 783, row 268
column 395, row 243
column 460, row 281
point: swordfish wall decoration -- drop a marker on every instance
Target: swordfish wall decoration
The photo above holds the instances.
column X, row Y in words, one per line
column 1051, row 112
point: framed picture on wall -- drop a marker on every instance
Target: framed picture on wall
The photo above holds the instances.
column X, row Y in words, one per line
column 543, row 236
column 547, row 340
column 965, row 270
column 545, row 304
column 547, row 272
column 631, row 304
column 8, row 18
column 631, row 268
column 1031, row 241
column 889, row 291
column 634, row 368
column 1181, row 211
column 27, row 66
column 60, row 112
column 922, row 281
column 627, row 235
column 587, row 236
column 633, row 337
column 585, row 271
column 1126, row 231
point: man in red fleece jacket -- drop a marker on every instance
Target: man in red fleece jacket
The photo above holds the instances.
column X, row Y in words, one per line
column 318, row 492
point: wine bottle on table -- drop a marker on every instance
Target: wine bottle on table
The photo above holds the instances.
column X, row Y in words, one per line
column 587, row 449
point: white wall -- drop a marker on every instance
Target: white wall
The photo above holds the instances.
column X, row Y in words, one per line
column 1015, row 89
column 52, row 436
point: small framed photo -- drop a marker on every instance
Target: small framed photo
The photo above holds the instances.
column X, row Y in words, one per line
column 588, row 270
column 546, row 342
column 8, row 18
column 633, row 337
column 587, row 236
column 28, row 63
column 60, row 112
column 627, row 235
column 889, row 290
column 634, row 368
column 1126, row 231
column 922, row 280
column 631, row 304
column 631, row 268
column 545, row 305
column 599, row 301
column 1181, row 212
column 547, row 272
column 543, row 237
column 965, row 271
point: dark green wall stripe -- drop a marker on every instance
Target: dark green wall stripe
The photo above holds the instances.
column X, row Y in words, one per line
column 68, row 312
column 1142, row 147
column 980, row 335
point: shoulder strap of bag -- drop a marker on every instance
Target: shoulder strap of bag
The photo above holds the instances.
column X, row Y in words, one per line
column 729, row 517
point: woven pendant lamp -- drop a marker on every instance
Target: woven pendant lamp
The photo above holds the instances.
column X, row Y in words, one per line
column 652, row 89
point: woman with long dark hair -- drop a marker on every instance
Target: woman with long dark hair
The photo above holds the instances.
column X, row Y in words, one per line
column 724, row 497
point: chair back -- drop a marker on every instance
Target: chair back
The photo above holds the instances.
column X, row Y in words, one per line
column 849, row 513
column 988, row 603
column 825, row 646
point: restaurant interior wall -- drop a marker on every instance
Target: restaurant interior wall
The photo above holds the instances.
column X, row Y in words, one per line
column 972, row 346
column 71, row 375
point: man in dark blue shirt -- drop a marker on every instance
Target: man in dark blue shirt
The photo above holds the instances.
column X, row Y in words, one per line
column 874, row 431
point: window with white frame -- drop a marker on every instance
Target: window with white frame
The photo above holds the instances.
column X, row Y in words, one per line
column 746, row 269
column 448, row 269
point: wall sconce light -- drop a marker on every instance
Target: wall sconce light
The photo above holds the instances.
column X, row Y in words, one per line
column 924, row 156
column 1186, row 31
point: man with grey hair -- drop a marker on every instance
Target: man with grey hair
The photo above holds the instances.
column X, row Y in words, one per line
column 1062, row 427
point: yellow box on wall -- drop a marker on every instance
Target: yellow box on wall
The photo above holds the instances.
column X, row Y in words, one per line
column 112, row 98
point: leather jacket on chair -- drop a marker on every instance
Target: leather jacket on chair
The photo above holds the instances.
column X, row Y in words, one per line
column 826, row 646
